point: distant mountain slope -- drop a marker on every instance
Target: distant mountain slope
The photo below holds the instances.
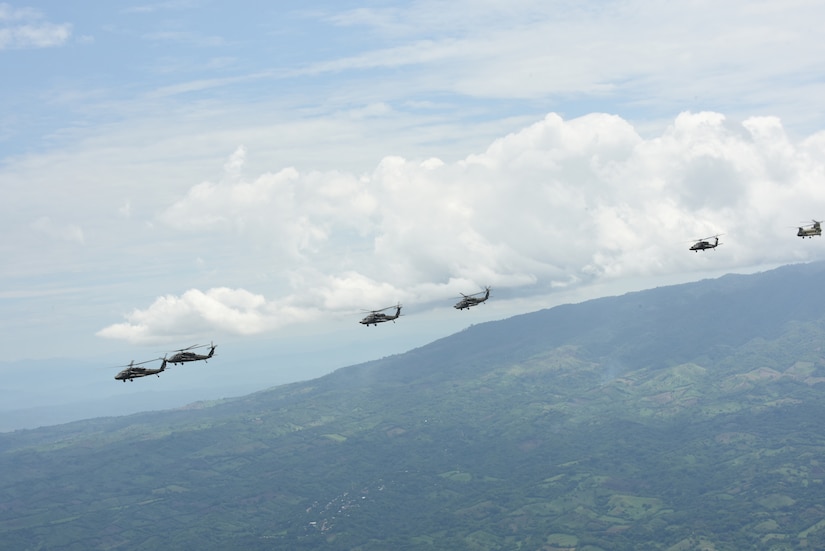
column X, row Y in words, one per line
column 653, row 328
column 685, row 417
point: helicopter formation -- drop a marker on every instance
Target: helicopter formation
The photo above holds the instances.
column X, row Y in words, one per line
column 374, row 317
column 132, row 371
column 808, row 230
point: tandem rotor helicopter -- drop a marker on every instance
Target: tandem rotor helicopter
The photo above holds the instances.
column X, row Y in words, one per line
column 374, row 317
column 810, row 230
column 468, row 301
column 705, row 243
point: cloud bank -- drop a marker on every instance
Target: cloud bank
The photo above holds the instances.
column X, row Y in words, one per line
column 555, row 205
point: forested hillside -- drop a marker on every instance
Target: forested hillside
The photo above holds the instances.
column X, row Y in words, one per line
column 679, row 418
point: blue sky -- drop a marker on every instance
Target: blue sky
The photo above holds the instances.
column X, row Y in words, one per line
column 258, row 173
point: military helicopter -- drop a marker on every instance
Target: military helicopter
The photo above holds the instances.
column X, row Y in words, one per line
column 184, row 355
column 810, row 230
column 378, row 316
column 704, row 243
column 468, row 301
column 132, row 372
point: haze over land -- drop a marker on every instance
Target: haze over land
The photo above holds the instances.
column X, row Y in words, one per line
column 181, row 172
column 684, row 417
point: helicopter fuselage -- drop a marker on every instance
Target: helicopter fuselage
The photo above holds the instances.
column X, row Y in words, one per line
column 704, row 244
column 809, row 232
column 376, row 317
column 131, row 373
column 183, row 357
column 471, row 300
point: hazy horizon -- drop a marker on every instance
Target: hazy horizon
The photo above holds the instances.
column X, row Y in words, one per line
column 184, row 171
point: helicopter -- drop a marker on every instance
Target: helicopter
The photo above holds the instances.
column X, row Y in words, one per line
column 468, row 301
column 704, row 243
column 184, row 355
column 810, row 230
column 132, row 372
column 378, row 316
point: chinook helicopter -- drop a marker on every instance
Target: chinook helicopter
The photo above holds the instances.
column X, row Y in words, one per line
column 374, row 317
column 468, row 301
column 810, row 230
column 704, row 243
column 184, row 355
column 132, row 372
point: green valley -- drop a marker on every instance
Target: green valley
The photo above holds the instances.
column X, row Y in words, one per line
column 680, row 418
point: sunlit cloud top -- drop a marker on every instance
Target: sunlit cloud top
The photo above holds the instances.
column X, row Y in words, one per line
column 555, row 204
column 185, row 167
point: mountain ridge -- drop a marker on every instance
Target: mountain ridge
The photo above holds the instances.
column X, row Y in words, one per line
column 683, row 417
column 569, row 321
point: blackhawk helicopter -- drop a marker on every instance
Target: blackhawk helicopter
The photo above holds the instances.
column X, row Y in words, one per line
column 704, row 243
column 468, row 301
column 133, row 372
column 810, row 230
column 378, row 316
column 184, row 355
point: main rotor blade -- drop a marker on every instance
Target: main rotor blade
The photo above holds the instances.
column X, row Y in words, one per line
column 133, row 364
column 189, row 348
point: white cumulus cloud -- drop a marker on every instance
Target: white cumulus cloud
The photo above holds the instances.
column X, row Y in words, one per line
column 559, row 203
column 232, row 311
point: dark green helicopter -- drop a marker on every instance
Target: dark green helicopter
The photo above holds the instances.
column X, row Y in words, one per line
column 133, row 372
